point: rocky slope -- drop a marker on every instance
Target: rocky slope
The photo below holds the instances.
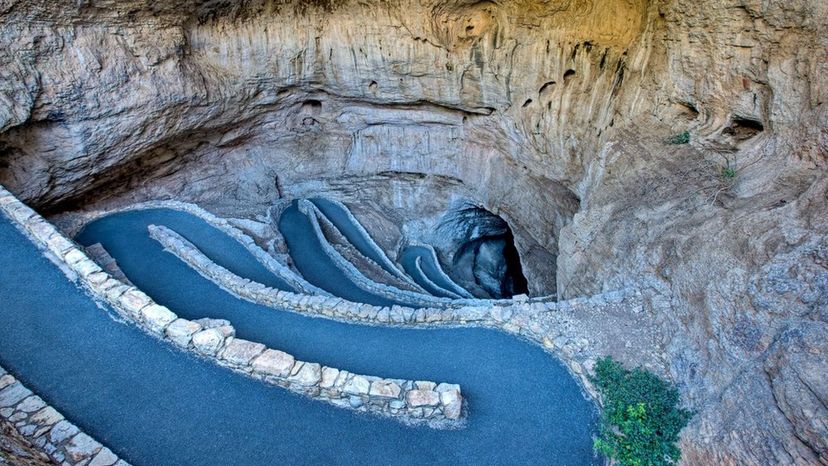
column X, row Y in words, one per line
column 552, row 115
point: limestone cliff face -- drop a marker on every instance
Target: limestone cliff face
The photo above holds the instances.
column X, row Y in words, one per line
column 551, row 114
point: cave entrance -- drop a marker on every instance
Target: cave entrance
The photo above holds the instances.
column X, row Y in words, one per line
column 485, row 260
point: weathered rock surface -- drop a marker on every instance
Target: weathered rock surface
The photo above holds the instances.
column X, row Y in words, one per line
column 552, row 115
column 16, row 450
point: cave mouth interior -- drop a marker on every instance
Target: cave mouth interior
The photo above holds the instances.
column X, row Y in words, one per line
column 483, row 256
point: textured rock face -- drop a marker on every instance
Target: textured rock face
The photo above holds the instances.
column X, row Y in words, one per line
column 552, row 115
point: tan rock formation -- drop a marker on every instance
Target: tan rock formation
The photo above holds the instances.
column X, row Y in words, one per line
column 551, row 114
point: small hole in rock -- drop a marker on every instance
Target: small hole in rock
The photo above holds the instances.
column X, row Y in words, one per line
column 527, row 103
column 742, row 129
column 547, row 87
column 312, row 107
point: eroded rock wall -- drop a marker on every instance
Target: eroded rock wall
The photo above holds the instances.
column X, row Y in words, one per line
column 737, row 258
column 553, row 115
column 479, row 92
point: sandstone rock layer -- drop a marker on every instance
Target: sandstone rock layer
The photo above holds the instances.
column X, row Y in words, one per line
column 554, row 116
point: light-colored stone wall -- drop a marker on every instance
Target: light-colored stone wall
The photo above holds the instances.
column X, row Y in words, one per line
column 366, row 265
column 437, row 404
column 576, row 331
column 314, row 215
column 455, row 288
column 569, row 329
column 73, row 222
column 47, row 430
column 386, row 262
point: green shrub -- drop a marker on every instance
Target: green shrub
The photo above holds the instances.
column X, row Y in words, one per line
column 680, row 138
column 728, row 173
column 641, row 420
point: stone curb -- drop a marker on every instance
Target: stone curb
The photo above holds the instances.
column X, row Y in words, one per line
column 341, row 243
column 82, row 218
column 542, row 320
column 387, row 264
column 215, row 339
column 418, row 266
column 529, row 320
column 538, row 323
column 335, row 308
column 455, row 287
column 47, row 430
column 313, row 214
column 268, row 261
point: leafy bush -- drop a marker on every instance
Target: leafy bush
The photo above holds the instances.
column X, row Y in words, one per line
column 641, row 421
column 680, row 138
column 728, row 172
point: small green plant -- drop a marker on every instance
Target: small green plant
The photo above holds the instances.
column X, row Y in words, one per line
column 680, row 138
column 729, row 168
column 641, row 419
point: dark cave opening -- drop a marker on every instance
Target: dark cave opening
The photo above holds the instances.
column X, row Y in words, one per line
column 485, row 259
column 742, row 129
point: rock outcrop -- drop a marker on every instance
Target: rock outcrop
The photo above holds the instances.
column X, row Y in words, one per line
column 555, row 116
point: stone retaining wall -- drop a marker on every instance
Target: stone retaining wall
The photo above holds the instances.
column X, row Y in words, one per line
column 330, row 307
column 75, row 223
column 47, row 430
column 455, row 287
column 439, row 405
column 465, row 295
column 313, row 214
column 366, row 266
column 418, row 267
column 577, row 331
column 566, row 328
column 387, row 264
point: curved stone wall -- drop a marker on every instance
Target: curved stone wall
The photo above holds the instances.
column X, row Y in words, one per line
column 72, row 222
column 455, row 288
column 566, row 328
column 372, row 269
column 577, row 331
column 333, row 307
column 439, row 405
column 420, row 273
column 313, row 214
column 46, row 429
column 382, row 258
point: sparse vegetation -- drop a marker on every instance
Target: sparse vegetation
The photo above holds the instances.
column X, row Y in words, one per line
column 729, row 167
column 641, row 419
column 680, row 138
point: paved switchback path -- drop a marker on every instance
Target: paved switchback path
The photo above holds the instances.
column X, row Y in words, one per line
column 154, row 405
column 353, row 232
column 431, row 271
column 317, row 267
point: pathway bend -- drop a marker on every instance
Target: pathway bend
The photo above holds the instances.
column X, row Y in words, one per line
column 67, row 352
